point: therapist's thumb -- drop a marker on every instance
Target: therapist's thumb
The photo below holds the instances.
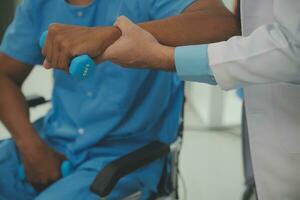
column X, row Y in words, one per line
column 124, row 24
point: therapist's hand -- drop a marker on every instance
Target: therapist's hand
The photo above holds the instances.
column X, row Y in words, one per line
column 138, row 48
column 42, row 164
column 65, row 42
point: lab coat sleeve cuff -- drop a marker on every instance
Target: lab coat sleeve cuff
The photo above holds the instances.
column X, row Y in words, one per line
column 220, row 68
column 192, row 64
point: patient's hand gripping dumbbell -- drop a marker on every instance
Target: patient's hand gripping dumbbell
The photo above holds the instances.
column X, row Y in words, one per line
column 80, row 67
column 66, row 169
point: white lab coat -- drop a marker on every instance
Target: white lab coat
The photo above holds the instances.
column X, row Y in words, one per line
column 266, row 62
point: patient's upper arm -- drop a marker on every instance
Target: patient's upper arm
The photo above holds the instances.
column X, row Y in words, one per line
column 14, row 69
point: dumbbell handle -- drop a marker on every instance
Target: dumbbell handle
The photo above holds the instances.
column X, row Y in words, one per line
column 66, row 169
column 80, row 67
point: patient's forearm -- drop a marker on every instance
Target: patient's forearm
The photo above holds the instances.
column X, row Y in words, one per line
column 14, row 112
column 205, row 21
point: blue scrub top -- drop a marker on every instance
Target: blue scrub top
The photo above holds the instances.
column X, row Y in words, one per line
column 114, row 106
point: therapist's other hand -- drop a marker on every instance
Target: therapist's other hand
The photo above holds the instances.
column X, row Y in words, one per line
column 66, row 41
column 138, row 48
column 42, row 164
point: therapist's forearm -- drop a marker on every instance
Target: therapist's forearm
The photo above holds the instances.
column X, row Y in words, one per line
column 205, row 21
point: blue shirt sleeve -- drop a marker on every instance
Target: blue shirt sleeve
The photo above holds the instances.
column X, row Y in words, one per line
column 21, row 40
column 192, row 64
column 160, row 9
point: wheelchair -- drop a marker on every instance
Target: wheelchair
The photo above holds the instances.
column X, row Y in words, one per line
column 109, row 176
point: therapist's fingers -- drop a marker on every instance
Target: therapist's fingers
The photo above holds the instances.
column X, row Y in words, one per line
column 124, row 24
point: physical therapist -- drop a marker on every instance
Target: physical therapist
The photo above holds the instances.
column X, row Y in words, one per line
column 265, row 61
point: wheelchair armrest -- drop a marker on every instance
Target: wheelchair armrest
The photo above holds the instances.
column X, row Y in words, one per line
column 113, row 172
column 34, row 101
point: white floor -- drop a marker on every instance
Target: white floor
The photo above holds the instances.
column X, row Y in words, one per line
column 211, row 166
column 211, row 159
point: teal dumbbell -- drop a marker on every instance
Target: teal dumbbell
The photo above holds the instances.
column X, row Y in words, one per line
column 66, row 169
column 80, row 67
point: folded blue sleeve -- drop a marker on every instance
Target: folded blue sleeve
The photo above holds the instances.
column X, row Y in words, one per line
column 21, row 40
column 160, row 9
column 192, row 64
